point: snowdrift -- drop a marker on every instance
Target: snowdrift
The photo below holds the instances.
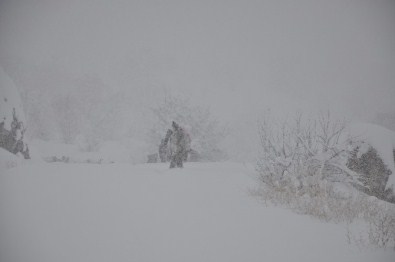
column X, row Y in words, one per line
column 79, row 212
column 9, row 160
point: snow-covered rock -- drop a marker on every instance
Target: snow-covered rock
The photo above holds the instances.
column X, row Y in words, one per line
column 381, row 139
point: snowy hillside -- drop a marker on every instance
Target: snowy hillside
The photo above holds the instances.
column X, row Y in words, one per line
column 381, row 139
column 92, row 213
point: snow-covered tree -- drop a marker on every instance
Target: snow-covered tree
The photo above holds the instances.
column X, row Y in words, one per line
column 12, row 118
column 69, row 108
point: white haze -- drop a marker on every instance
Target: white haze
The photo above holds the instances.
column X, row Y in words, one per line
column 240, row 58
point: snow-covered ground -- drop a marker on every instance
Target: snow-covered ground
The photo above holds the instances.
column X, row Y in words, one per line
column 130, row 151
column 8, row 160
column 119, row 212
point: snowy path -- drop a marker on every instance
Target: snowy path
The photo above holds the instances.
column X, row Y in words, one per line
column 94, row 213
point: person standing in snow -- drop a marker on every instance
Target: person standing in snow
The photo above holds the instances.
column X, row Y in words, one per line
column 178, row 146
column 163, row 147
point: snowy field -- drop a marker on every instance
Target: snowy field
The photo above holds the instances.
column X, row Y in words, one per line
column 119, row 212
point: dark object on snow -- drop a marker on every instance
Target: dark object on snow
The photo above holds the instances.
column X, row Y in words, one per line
column 175, row 147
column 178, row 146
column 53, row 159
column 163, row 147
column 11, row 141
column 374, row 173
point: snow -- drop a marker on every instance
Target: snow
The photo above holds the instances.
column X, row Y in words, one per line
column 9, row 99
column 381, row 139
column 9, row 160
column 130, row 151
column 49, row 149
column 121, row 212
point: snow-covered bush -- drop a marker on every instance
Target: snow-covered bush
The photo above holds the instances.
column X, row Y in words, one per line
column 301, row 153
column 86, row 114
column 305, row 165
column 378, row 217
column 206, row 133
column 67, row 108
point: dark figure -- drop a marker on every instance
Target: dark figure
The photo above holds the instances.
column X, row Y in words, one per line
column 177, row 146
column 163, row 147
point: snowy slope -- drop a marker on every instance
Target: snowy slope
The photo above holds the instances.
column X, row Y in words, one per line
column 92, row 213
column 9, row 99
column 380, row 138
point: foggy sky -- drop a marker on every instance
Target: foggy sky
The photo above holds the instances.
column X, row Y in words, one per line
column 238, row 57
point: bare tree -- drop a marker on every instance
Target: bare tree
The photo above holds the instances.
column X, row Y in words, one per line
column 304, row 150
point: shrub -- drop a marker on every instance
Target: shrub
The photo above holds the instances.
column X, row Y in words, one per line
column 307, row 166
